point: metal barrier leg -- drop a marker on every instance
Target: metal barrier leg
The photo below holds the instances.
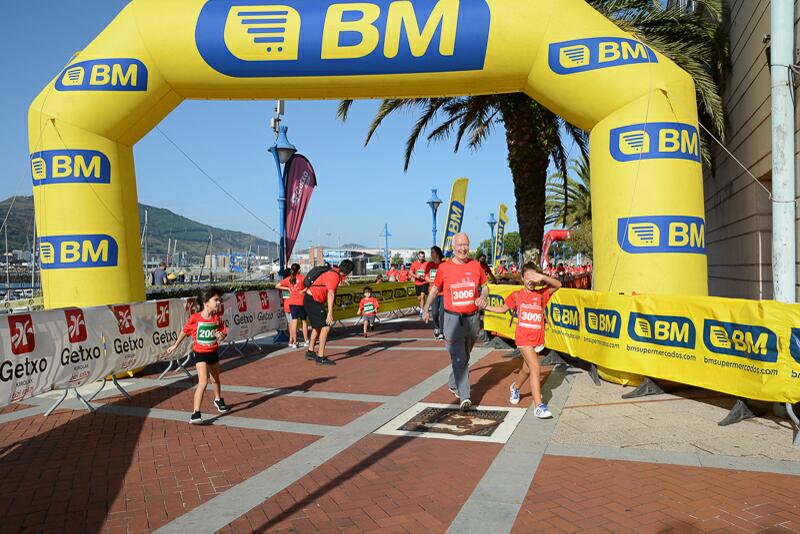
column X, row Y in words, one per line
column 739, row 412
column 182, row 365
column 795, row 422
column 57, row 403
column 84, row 401
column 121, row 389
column 167, row 370
column 96, row 393
column 647, row 387
column 594, row 375
column 553, row 358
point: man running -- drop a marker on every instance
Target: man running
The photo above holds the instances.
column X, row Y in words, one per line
column 418, row 269
column 318, row 304
column 463, row 283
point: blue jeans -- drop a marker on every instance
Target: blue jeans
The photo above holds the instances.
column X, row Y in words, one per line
column 460, row 335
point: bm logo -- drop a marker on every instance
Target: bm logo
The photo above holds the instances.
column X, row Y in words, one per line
column 744, row 340
column 454, row 219
column 70, row 167
column 794, row 344
column 669, row 330
column 78, row 251
column 123, row 74
column 662, row 234
column 601, row 322
column 250, row 38
column 581, row 55
column 564, row 316
column 655, row 140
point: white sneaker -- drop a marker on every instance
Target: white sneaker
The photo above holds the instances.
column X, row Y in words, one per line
column 305, row 343
column 466, row 404
column 293, row 345
column 542, row 412
column 514, row 398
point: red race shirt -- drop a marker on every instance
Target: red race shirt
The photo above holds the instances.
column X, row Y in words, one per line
column 295, row 290
column 328, row 281
column 529, row 306
column 202, row 331
column 419, row 268
column 369, row 306
column 430, row 271
column 459, row 283
column 402, row 275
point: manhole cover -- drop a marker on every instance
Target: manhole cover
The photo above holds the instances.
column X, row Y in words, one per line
column 455, row 422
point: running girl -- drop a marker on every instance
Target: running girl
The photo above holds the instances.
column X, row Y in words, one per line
column 529, row 304
column 368, row 308
column 294, row 283
column 207, row 329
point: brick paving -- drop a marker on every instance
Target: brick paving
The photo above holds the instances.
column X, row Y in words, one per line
column 276, row 406
column 11, row 408
column 594, row 495
column 104, row 472
column 82, row 472
column 381, row 484
column 490, row 380
column 376, row 372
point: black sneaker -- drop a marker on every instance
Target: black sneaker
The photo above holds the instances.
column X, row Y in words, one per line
column 311, row 355
column 196, row 418
column 221, row 406
column 325, row 361
column 435, row 333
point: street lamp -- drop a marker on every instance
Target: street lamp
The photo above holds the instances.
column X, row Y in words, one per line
column 434, row 203
column 281, row 151
column 386, row 235
column 491, row 222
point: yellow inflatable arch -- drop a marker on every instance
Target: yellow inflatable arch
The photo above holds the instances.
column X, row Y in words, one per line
column 639, row 106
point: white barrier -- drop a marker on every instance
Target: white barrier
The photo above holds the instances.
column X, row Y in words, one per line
column 63, row 349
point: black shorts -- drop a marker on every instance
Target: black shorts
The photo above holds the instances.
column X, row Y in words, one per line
column 370, row 319
column 206, row 357
column 316, row 312
column 298, row 312
column 421, row 289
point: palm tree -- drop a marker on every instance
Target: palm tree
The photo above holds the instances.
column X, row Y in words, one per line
column 575, row 208
column 691, row 34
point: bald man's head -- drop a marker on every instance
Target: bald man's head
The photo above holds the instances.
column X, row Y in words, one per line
column 461, row 247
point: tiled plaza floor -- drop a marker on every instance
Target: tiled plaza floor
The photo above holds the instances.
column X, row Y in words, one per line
column 299, row 453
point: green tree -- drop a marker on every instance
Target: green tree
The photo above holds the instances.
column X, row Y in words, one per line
column 693, row 35
column 397, row 259
column 576, row 208
column 376, row 259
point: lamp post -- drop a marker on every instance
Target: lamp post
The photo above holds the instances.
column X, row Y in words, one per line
column 386, row 235
column 491, row 222
column 281, row 151
column 434, row 203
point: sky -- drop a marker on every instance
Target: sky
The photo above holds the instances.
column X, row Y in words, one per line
column 359, row 189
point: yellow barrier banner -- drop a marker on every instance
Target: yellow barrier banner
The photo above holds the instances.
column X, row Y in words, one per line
column 391, row 297
column 742, row 347
column 455, row 214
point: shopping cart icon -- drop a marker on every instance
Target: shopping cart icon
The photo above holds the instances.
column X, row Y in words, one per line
column 644, row 234
column 47, row 252
column 73, row 77
column 634, row 142
column 572, row 57
column 263, row 32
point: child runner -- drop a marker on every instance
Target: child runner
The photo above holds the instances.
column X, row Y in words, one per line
column 368, row 308
column 294, row 283
column 529, row 304
column 207, row 329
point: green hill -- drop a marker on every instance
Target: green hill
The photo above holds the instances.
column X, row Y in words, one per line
column 163, row 225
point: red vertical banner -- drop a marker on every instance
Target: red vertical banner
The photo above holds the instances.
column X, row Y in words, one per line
column 300, row 180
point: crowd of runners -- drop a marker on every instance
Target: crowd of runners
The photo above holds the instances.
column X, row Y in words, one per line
column 452, row 294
